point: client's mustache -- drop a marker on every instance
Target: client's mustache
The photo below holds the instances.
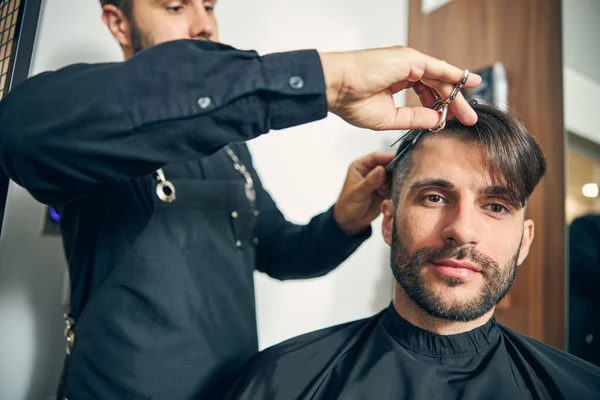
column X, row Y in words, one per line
column 427, row 255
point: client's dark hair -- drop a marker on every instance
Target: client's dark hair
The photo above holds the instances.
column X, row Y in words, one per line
column 124, row 5
column 513, row 155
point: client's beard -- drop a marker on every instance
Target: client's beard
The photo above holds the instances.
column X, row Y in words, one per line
column 408, row 271
column 139, row 41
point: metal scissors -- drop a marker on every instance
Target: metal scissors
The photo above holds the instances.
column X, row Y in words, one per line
column 441, row 106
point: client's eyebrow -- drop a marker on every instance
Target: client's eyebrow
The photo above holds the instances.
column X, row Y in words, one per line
column 505, row 193
column 433, row 182
column 500, row 191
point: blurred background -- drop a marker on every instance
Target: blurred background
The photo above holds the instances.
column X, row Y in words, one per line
column 541, row 58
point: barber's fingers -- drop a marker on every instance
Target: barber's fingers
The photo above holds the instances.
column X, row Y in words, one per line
column 459, row 107
column 414, row 66
column 371, row 172
column 443, row 77
column 434, row 69
column 374, row 183
column 411, row 118
column 427, row 96
column 369, row 162
column 400, row 86
column 430, row 91
column 462, row 110
column 385, row 191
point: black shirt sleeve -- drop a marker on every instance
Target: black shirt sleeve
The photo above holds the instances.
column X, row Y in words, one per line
column 62, row 133
column 290, row 251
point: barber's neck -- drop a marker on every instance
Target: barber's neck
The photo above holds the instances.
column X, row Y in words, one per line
column 412, row 313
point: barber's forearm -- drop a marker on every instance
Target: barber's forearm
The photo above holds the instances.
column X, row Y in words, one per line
column 65, row 131
column 301, row 252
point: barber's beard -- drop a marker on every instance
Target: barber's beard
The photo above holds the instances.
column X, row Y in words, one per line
column 139, row 40
column 408, row 270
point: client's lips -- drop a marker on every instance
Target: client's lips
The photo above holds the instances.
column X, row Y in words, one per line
column 457, row 264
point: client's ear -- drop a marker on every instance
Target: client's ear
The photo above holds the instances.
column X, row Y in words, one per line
column 528, row 232
column 388, row 209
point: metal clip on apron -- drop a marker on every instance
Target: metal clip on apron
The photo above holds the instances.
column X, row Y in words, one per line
column 69, row 333
column 184, row 211
column 165, row 190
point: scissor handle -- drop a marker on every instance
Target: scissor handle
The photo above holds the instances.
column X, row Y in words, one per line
column 441, row 106
column 443, row 114
column 458, row 86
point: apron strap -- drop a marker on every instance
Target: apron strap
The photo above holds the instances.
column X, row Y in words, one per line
column 3, row 195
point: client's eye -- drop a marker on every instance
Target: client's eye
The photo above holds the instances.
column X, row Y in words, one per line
column 435, row 198
column 498, row 208
column 174, row 9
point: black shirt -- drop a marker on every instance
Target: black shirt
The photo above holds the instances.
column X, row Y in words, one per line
column 162, row 294
column 385, row 357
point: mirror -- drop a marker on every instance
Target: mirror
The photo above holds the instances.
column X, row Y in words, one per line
column 581, row 83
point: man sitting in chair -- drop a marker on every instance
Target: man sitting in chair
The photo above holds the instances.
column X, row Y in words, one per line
column 458, row 230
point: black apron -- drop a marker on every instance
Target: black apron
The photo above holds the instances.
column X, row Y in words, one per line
column 155, row 328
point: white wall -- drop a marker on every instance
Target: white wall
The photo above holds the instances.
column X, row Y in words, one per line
column 303, row 168
column 581, row 31
column 581, row 94
column 581, row 62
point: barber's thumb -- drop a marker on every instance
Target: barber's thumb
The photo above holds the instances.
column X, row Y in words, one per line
column 375, row 179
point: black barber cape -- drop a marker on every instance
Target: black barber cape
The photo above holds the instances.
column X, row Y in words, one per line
column 385, row 358
column 162, row 293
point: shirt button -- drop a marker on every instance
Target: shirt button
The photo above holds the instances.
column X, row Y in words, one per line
column 238, row 243
column 256, row 213
column 255, row 241
column 234, row 214
column 204, row 102
column 296, row 82
column 589, row 339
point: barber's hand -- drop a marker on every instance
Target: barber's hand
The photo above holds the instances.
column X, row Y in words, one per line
column 363, row 192
column 360, row 85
